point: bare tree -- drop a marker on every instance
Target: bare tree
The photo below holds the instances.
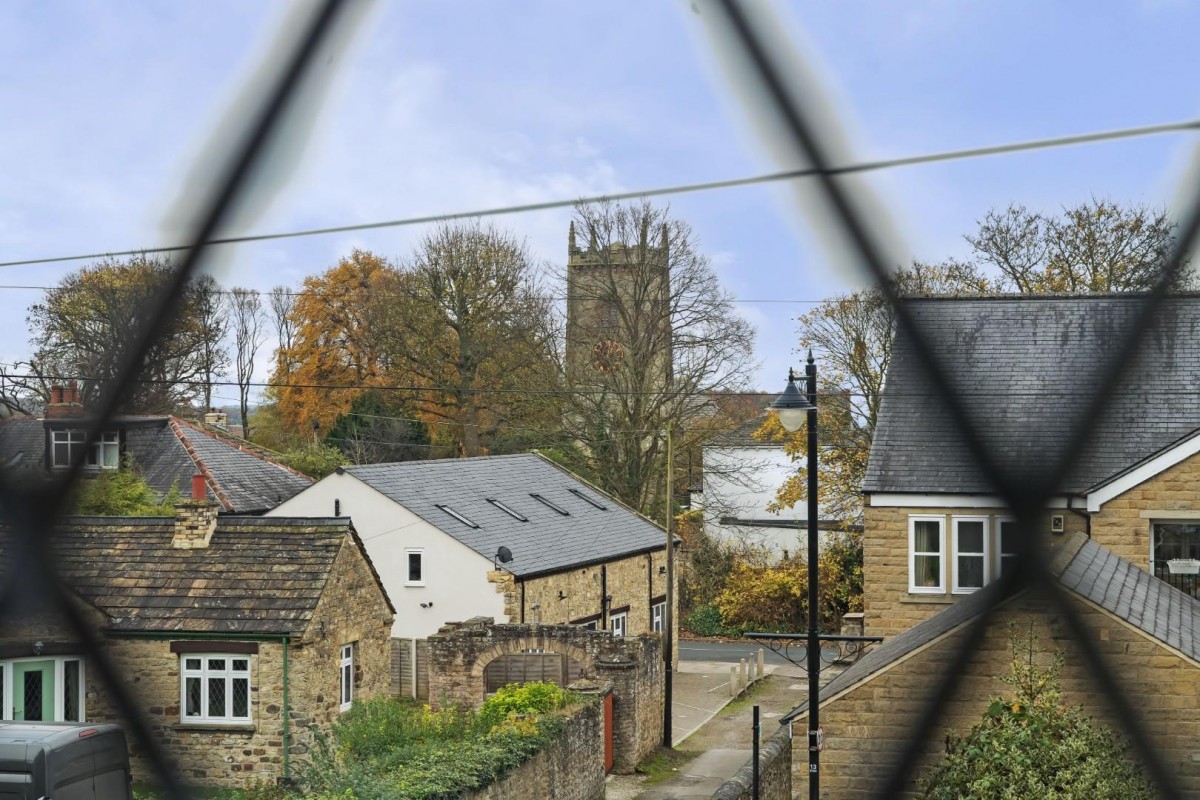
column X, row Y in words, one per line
column 213, row 323
column 247, row 318
column 650, row 336
column 282, row 300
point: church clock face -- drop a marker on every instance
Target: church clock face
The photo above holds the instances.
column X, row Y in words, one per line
column 607, row 355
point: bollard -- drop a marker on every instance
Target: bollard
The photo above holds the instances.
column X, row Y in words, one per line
column 742, row 673
column 752, row 676
column 733, row 678
column 760, row 662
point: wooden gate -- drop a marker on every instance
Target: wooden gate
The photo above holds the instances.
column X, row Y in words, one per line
column 530, row 666
column 608, row 731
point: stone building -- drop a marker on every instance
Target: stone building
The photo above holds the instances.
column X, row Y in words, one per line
column 1148, row 630
column 619, row 309
column 241, row 477
column 237, row 637
column 516, row 538
column 936, row 531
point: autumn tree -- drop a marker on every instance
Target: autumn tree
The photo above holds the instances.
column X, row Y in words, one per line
column 80, row 329
column 851, row 337
column 650, row 334
column 377, row 430
column 1096, row 247
column 247, row 320
column 333, row 343
column 465, row 319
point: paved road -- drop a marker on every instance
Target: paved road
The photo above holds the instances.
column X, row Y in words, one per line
column 730, row 652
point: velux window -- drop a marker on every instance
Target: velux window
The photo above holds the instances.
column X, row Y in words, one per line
column 216, row 688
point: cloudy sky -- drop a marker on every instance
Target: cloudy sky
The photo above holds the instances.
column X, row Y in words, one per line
column 451, row 106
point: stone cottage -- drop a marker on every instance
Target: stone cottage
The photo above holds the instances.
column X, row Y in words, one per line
column 516, row 538
column 238, row 636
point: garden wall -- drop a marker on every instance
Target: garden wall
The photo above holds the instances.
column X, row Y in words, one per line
column 570, row 768
column 774, row 768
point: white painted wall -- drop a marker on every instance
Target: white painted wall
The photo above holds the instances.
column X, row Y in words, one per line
column 455, row 575
column 741, row 482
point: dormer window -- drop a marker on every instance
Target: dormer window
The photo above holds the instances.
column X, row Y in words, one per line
column 105, row 452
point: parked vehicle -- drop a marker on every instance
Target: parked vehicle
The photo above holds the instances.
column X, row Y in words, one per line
column 63, row 761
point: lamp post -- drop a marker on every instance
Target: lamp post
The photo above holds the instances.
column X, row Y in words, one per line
column 794, row 410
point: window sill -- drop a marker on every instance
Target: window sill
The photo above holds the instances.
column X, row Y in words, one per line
column 217, row 727
column 935, row 599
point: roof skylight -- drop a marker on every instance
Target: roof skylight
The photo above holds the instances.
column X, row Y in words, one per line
column 508, row 510
column 456, row 515
column 590, row 501
column 550, row 505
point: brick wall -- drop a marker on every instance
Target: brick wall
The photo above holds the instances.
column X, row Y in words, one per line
column 867, row 726
column 570, row 768
column 889, row 608
column 633, row 666
column 774, row 772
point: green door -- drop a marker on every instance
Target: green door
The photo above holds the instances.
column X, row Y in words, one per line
column 33, row 691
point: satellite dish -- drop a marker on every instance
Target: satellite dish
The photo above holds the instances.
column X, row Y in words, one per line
column 504, row 555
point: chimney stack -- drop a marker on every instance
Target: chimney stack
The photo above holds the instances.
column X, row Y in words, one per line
column 64, row 402
column 195, row 519
column 216, row 418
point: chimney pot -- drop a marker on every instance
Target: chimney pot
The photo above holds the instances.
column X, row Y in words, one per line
column 197, row 487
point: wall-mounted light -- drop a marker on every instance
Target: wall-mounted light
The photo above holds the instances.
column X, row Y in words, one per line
column 37, row 648
column 562, row 595
column 662, row 570
column 427, row 605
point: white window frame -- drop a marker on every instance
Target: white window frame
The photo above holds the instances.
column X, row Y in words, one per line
column 621, row 621
column 912, row 554
column 955, row 521
column 346, row 678
column 74, row 438
column 997, row 536
column 60, row 671
column 204, row 674
column 658, row 617
column 409, row 552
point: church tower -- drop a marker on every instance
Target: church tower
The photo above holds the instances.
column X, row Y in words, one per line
column 618, row 311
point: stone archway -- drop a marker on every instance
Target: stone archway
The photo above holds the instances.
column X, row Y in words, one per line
column 526, row 660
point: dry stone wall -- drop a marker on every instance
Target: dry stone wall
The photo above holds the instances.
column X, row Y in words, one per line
column 774, row 772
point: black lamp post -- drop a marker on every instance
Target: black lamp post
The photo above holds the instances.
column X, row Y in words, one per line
column 794, row 410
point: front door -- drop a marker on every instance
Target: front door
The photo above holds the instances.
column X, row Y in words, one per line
column 33, row 690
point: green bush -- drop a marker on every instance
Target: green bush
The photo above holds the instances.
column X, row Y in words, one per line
column 1031, row 745
column 706, row 621
column 386, row 748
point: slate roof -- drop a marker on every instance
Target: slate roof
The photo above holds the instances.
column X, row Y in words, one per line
column 1025, row 366
column 1151, row 605
column 22, row 443
column 548, row 542
column 743, row 436
column 240, row 476
column 257, row 576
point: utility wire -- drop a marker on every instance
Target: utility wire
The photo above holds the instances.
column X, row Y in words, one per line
column 683, row 188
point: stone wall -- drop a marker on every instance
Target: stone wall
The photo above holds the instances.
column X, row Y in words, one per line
column 867, row 726
column 1123, row 524
column 570, row 768
column 889, row 608
column 576, row 595
column 632, row 665
column 774, row 772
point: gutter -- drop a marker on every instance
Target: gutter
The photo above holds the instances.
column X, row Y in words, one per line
column 1086, row 516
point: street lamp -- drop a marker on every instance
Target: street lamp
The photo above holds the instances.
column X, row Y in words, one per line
column 794, row 410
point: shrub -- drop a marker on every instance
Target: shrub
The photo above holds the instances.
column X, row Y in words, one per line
column 517, row 699
column 704, row 621
column 1031, row 745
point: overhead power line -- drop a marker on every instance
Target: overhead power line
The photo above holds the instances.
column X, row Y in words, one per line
column 682, row 188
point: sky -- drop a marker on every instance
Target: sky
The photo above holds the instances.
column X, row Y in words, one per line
column 433, row 107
